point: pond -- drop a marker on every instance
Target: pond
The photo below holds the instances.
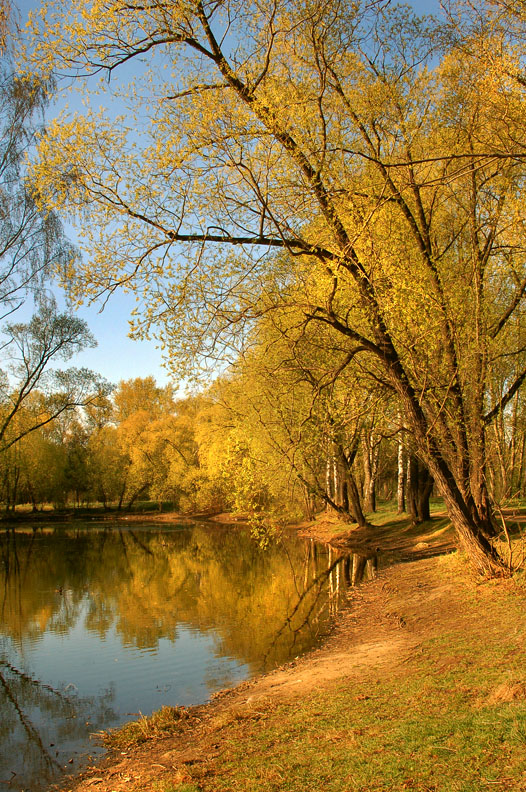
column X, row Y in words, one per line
column 100, row 624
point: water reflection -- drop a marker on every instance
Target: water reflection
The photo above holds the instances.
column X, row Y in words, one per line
column 101, row 624
column 41, row 726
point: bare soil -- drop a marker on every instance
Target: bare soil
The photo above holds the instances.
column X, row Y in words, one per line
column 381, row 627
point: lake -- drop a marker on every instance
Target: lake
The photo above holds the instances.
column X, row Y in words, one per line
column 100, row 624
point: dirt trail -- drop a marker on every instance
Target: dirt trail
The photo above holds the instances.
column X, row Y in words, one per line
column 380, row 629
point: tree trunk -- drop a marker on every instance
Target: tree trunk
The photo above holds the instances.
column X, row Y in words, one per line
column 401, row 479
column 419, row 487
column 370, row 466
column 468, row 526
column 352, row 496
column 135, row 496
column 355, row 503
column 308, row 501
column 328, row 481
column 121, row 498
column 519, row 487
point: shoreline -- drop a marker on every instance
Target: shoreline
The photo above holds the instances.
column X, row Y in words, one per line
column 339, row 652
column 384, row 659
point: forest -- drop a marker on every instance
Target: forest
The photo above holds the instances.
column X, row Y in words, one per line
column 319, row 207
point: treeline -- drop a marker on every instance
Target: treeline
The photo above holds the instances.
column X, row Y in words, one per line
column 265, row 440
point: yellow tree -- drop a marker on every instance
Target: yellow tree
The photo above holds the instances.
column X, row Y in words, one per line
column 389, row 173
column 142, row 393
column 154, row 442
column 297, row 418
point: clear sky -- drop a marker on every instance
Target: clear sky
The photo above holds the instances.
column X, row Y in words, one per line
column 118, row 357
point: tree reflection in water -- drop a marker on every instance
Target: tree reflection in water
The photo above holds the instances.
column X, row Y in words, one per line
column 145, row 593
column 41, row 727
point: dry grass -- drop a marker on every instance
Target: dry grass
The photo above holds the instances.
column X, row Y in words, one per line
column 507, row 692
column 163, row 722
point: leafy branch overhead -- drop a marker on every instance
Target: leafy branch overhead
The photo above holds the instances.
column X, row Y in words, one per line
column 348, row 162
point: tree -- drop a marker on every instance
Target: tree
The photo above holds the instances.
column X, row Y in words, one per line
column 28, row 350
column 389, row 175
column 106, row 465
column 288, row 428
column 32, row 245
column 42, row 462
column 146, row 438
column 32, row 242
column 142, row 394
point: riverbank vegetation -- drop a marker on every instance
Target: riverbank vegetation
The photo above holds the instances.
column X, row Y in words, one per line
column 235, row 448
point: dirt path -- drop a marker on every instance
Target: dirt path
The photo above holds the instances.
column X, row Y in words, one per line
column 379, row 630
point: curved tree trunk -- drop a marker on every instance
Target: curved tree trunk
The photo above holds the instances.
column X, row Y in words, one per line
column 355, row 502
column 469, row 527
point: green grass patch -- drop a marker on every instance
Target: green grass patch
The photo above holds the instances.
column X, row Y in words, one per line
column 414, row 735
column 388, row 516
column 450, row 719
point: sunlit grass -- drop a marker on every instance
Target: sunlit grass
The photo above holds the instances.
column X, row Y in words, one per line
column 387, row 511
column 414, row 733
column 451, row 719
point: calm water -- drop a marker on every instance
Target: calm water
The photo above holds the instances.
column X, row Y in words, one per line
column 100, row 624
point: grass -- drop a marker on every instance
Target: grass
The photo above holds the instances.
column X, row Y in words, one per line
column 453, row 719
column 387, row 514
column 162, row 723
column 410, row 734
column 167, row 786
column 93, row 507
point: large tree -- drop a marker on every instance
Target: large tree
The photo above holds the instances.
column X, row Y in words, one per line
column 32, row 242
column 387, row 171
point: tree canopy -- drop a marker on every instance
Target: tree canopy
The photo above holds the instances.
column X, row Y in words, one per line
column 345, row 160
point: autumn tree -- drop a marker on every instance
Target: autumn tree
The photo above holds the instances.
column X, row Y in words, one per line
column 106, row 464
column 387, row 171
column 41, row 463
column 142, row 394
column 307, row 427
column 154, row 444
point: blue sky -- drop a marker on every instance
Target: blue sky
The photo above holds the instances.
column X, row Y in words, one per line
column 117, row 357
